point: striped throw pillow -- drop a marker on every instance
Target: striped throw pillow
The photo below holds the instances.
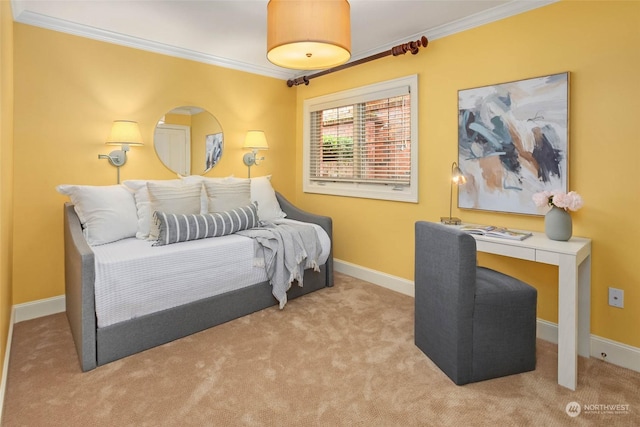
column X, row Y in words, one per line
column 226, row 195
column 176, row 228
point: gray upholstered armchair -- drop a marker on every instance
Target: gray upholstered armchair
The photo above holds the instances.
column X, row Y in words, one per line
column 473, row 322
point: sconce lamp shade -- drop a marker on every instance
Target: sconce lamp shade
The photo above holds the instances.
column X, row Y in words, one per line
column 256, row 140
column 308, row 34
column 125, row 132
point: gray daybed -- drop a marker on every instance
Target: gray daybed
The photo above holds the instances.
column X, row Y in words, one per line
column 98, row 346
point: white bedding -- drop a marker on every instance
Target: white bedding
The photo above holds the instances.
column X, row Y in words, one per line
column 134, row 278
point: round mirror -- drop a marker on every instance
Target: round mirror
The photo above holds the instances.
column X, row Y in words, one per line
column 188, row 140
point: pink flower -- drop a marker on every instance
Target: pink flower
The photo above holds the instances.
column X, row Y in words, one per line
column 560, row 199
column 568, row 201
column 576, row 201
column 541, row 199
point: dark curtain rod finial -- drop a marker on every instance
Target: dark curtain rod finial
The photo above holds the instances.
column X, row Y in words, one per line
column 298, row 81
column 413, row 47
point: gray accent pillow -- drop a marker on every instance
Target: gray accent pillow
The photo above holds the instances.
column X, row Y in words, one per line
column 176, row 228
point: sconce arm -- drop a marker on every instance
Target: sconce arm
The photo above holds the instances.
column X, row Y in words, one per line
column 116, row 157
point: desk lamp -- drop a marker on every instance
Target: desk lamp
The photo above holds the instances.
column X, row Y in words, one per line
column 458, row 178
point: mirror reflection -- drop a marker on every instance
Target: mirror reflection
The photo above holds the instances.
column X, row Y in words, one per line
column 188, row 140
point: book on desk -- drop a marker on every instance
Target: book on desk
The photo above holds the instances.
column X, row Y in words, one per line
column 493, row 231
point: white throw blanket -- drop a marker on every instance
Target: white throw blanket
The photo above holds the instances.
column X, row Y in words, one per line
column 285, row 251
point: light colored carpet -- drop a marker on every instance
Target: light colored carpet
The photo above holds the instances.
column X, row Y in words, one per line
column 342, row 356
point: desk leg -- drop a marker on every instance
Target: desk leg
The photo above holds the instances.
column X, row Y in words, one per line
column 568, row 322
column 584, row 308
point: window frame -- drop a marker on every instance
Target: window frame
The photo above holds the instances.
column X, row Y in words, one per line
column 369, row 190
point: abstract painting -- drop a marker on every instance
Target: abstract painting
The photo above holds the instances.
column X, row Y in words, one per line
column 213, row 150
column 513, row 142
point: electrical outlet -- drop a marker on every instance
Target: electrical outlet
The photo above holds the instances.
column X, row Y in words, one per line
column 616, row 297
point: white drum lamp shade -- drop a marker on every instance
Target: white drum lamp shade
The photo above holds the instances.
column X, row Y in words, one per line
column 125, row 132
column 256, row 140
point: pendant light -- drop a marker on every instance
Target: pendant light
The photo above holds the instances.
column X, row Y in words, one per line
column 308, row 34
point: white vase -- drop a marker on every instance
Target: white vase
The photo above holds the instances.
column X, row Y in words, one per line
column 557, row 224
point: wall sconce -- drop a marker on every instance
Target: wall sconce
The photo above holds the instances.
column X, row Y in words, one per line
column 254, row 141
column 124, row 133
column 308, row 34
column 458, row 178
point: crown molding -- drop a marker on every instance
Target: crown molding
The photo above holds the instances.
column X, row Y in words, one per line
column 497, row 13
column 61, row 25
column 512, row 8
column 507, row 10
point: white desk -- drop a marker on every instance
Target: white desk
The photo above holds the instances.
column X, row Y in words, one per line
column 573, row 259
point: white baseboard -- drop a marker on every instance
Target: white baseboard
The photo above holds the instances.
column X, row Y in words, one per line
column 40, row 308
column 615, row 353
column 5, row 365
column 547, row 331
column 385, row 280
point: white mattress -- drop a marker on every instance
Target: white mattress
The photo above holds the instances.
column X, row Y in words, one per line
column 134, row 278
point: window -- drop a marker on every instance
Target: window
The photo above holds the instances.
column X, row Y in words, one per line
column 363, row 142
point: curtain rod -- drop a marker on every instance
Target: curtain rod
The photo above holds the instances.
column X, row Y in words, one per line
column 401, row 49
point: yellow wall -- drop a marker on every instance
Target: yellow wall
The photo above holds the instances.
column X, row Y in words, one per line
column 178, row 119
column 599, row 43
column 6, row 170
column 69, row 89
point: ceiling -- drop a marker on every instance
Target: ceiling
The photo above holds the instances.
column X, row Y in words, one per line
column 232, row 33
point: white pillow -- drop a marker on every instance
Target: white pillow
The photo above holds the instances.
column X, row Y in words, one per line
column 107, row 213
column 174, row 199
column 262, row 192
column 227, row 195
column 143, row 204
column 192, row 179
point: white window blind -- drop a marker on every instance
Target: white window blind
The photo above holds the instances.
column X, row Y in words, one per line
column 363, row 139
